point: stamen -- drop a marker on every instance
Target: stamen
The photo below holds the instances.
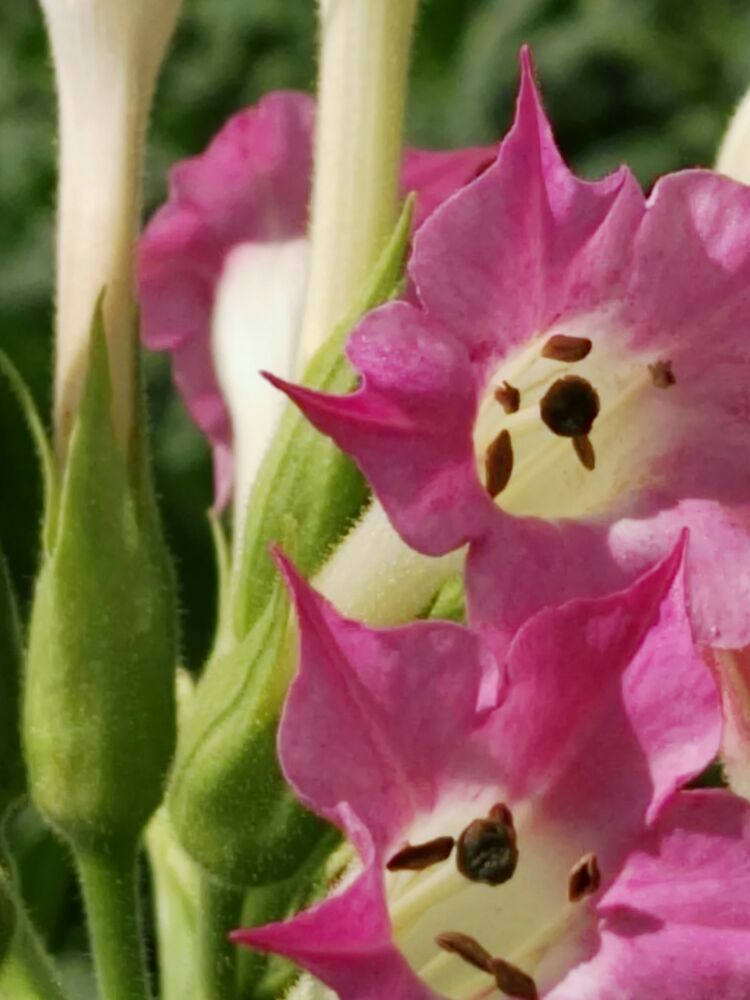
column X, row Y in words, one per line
column 585, row 878
column 562, row 348
column 467, row 948
column 487, row 850
column 508, row 397
column 570, row 406
column 661, row 374
column 585, row 451
column 417, row 857
column 512, row 981
column 498, row 463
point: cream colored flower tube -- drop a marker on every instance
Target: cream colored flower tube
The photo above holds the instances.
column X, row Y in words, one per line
column 362, row 82
column 733, row 159
column 106, row 54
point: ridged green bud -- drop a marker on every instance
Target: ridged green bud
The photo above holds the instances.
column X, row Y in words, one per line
column 227, row 800
column 12, row 778
column 98, row 709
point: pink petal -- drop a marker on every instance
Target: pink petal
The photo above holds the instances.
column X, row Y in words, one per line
column 346, row 940
column 609, row 710
column 495, row 268
column 437, row 174
column 375, row 719
column 676, row 922
column 252, row 183
column 416, row 405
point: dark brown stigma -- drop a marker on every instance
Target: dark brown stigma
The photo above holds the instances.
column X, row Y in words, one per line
column 508, row 397
column 562, row 348
column 498, row 464
column 570, row 406
column 487, row 850
column 585, row 878
column 416, row 857
column 511, row 981
column 661, row 374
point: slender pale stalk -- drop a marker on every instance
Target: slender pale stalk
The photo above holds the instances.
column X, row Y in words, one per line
column 375, row 577
column 362, row 82
column 110, row 896
column 106, row 56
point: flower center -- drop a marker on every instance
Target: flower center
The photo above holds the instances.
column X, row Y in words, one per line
column 487, row 907
column 570, row 424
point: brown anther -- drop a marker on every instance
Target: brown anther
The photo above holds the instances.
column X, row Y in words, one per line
column 498, row 463
column 487, row 850
column 570, row 406
column 585, row 878
column 508, row 397
column 511, row 981
column 416, row 857
column 562, row 348
column 467, row 948
column 661, row 374
column 585, row 451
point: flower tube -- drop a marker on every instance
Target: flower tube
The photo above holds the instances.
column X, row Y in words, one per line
column 107, row 55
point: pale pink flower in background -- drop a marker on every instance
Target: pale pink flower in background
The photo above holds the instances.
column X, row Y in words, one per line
column 550, row 843
column 225, row 260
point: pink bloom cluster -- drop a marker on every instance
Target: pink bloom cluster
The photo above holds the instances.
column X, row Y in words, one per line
column 566, row 390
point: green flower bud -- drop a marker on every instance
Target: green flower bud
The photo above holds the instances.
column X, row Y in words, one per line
column 98, row 711
column 227, row 800
column 11, row 763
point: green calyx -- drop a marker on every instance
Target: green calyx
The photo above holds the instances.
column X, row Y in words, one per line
column 304, row 475
column 227, row 800
column 98, row 708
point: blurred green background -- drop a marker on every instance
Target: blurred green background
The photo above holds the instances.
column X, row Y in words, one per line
column 650, row 82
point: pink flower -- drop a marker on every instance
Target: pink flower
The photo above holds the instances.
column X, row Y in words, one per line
column 571, row 388
column 228, row 251
column 553, row 783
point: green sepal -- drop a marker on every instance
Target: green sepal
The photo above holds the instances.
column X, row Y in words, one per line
column 304, row 474
column 227, row 799
column 98, row 710
column 12, row 774
column 42, row 445
column 267, row 977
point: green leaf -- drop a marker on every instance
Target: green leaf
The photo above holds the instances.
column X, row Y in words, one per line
column 12, row 778
column 44, row 451
column 304, row 474
column 98, row 714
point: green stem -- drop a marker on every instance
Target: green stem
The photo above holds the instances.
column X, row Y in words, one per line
column 108, row 881
column 219, row 912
